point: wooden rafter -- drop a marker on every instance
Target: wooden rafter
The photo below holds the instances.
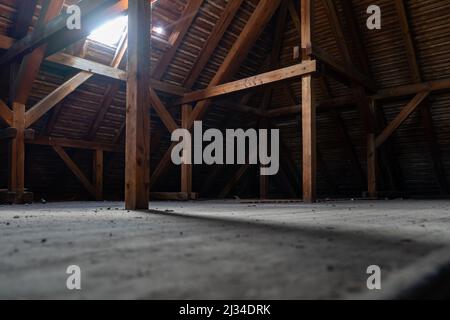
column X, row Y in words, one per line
column 344, row 69
column 268, row 93
column 369, row 118
column 175, row 40
column 342, row 132
column 58, row 36
column 213, row 41
column 181, row 29
column 427, row 119
column 161, row 109
column 46, row 104
column 349, row 72
column 251, row 32
column 75, row 170
column 31, row 63
column 401, row 117
column 24, row 18
column 6, row 113
column 359, row 93
column 111, row 89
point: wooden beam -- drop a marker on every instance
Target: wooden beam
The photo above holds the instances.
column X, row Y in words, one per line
column 6, row 113
column 387, row 154
column 308, row 109
column 110, row 72
column 348, row 145
column 175, row 41
column 161, row 109
column 98, row 174
column 359, row 47
column 408, row 40
column 181, row 29
column 75, row 170
column 24, row 18
column 213, row 41
column 251, row 32
column 272, row 77
column 233, row 121
column 342, row 131
column 358, row 89
column 56, row 33
column 137, row 155
column 110, row 93
column 371, row 166
column 264, row 181
column 402, row 117
column 46, row 104
column 88, row 66
column 162, row 166
column 309, row 140
column 31, row 63
column 17, row 154
column 74, row 144
column 345, row 70
column 111, row 89
column 237, row 54
column 435, row 150
column 427, row 118
column 53, row 119
column 411, row 89
column 186, row 169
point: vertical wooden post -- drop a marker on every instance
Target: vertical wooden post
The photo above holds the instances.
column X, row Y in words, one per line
column 263, row 187
column 371, row 154
column 17, row 155
column 371, row 165
column 137, row 159
column 98, row 174
column 308, row 109
column 186, row 169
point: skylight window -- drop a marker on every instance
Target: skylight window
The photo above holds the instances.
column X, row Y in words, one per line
column 158, row 30
column 110, row 32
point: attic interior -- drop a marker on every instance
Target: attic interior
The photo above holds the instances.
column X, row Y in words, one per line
column 85, row 135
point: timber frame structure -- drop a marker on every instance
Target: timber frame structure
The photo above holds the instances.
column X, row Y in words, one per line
column 312, row 67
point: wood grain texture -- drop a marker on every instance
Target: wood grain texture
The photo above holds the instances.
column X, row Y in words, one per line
column 137, row 155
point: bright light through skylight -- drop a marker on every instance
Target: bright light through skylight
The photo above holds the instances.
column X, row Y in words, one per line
column 111, row 32
column 158, row 30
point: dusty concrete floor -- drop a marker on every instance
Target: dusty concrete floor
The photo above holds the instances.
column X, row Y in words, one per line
column 213, row 250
